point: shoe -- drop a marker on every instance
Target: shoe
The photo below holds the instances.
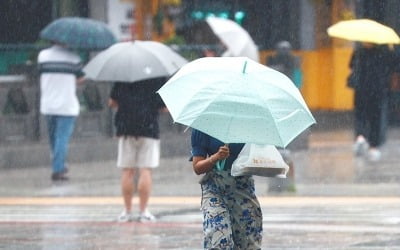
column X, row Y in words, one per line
column 360, row 147
column 146, row 216
column 125, row 217
column 59, row 177
column 374, row 154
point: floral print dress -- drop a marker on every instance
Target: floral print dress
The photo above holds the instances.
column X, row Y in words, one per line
column 232, row 217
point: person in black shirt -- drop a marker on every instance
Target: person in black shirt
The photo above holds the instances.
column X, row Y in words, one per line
column 372, row 66
column 136, row 121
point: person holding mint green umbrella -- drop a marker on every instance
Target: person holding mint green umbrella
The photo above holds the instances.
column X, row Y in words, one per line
column 229, row 101
column 227, row 201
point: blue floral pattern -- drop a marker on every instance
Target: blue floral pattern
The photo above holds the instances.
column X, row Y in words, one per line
column 231, row 212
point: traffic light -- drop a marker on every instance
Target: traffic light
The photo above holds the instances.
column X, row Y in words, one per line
column 199, row 15
column 238, row 16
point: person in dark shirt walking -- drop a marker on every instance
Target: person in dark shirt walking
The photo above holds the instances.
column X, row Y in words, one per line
column 136, row 121
column 372, row 66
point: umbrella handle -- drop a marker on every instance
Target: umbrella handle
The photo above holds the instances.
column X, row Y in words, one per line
column 244, row 67
column 220, row 165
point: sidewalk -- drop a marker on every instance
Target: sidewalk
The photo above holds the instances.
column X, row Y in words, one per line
column 327, row 168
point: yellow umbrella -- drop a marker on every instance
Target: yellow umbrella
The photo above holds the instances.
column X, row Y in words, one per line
column 364, row 30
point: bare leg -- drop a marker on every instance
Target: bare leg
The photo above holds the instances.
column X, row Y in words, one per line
column 127, row 187
column 144, row 187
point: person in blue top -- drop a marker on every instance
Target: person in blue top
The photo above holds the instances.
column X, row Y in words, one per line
column 232, row 217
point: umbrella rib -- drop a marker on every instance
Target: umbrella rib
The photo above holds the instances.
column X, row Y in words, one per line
column 154, row 54
column 280, row 136
column 296, row 99
column 266, row 104
column 219, row 94
column 211, row 100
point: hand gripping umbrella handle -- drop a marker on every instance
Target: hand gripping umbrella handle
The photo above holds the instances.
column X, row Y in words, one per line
column 220, row 165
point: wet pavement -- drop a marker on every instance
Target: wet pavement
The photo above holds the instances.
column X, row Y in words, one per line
column 339, row 201
column 289, row 223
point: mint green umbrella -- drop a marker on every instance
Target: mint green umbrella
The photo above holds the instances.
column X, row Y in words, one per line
column 237, row 100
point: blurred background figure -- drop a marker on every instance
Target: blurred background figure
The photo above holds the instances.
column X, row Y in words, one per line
column 137, row 128
column 60, row 72
column 284, row 61
column 372, row 66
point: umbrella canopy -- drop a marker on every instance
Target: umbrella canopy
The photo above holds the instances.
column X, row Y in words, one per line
column 134, row 61
column 234, row 37
column 237, row 100
column 364, row 30
column 79, row 33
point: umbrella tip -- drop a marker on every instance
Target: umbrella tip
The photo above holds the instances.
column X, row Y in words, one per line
column 244, row 67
